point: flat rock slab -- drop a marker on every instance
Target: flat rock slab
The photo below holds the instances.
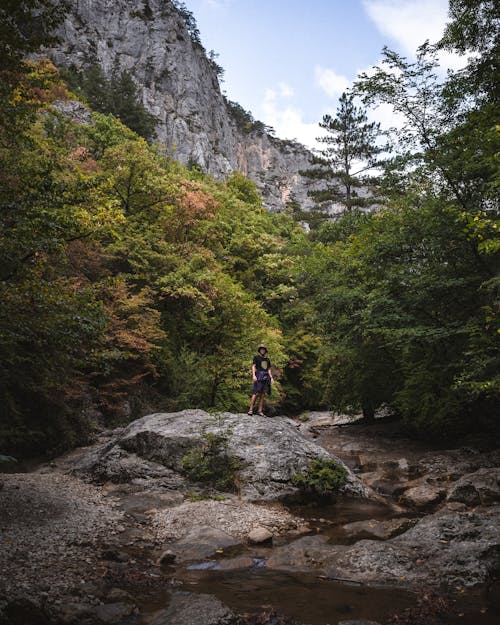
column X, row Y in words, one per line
column 423, row 497
column 190, row 609
column 378, row 530
column 305, row 554
column 269, row 451
column 259, row 535
column 480, row 487
column 200, row 543
column 445, row 549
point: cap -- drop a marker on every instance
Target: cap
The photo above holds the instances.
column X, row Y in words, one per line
column 261, row 346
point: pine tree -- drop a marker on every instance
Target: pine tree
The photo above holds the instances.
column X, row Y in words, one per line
column 351, row 151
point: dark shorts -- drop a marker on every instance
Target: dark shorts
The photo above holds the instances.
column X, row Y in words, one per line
column 262, row 386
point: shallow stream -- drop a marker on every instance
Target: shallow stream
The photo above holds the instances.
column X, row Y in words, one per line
column 241, row 580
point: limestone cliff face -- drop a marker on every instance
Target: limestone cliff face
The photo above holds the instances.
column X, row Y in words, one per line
column 179, row 85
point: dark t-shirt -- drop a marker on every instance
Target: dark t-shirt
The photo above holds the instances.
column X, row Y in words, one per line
column 262, row 363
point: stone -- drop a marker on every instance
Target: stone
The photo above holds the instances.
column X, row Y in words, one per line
column 307, row 553
column 358, row 622
column 260, row 535
column 447, row 548
column 187, row 608
column 422, row 497
column 269, row 451
column 80, row 114
column 377, row 530
column 444, row 549
column 480, row 487
column 115, row 595
column 231, row 564
column 167, row 557
column 202, row 542
column 113, row 613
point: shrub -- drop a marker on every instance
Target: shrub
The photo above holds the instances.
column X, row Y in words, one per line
column 323, row 477
column 211, row 463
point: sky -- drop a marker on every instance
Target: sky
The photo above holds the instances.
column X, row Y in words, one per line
column 288, row 61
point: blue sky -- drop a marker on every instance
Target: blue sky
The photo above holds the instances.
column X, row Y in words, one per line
column 288, row 61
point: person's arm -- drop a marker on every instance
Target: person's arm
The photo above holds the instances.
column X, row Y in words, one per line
column 254, row 376
column 271, row 373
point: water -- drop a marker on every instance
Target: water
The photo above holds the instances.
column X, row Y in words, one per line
column 312, row 600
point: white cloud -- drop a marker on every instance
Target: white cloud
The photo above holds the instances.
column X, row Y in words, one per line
column 218, row 4
column 410, row 23
column 333, row 84
column 287, row 120
column 285, row 90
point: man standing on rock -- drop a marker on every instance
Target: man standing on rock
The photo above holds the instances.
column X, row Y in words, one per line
column 262, row 379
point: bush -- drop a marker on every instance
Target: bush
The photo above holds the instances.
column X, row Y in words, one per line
column 322, row 477
column 210, row 463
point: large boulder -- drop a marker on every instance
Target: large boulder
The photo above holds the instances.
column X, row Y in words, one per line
column 187, row 608
column 269, row 451
column 447, row 548
column 480, row 487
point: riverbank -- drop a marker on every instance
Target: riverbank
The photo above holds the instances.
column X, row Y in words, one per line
column 76, row 551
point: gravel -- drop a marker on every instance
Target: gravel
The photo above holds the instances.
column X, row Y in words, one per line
column 51, row 526
column 237, row 518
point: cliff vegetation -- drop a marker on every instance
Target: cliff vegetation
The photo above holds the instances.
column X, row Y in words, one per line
column 129, row 282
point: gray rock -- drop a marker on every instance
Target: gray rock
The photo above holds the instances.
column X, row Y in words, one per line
column 200, row 543
column 189, row 609
column 259, row 535
column 378, row 530
column 481, row 487
column 307, row 553
column 113, row 613
column 167, row 557
column 269, row 451
column 80, row 114
column 179, row 85
column 115, row 595
column 423, row 497
column 449, row 548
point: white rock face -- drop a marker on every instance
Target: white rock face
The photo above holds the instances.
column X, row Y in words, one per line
column 179, row 85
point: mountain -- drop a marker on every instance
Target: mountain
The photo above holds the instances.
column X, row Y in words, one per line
column 157, row 40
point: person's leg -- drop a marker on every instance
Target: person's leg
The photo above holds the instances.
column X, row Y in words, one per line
column 261, row 402
column 252, row 402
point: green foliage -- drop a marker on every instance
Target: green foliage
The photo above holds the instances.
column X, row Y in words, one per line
column 244, row 119
column 211, row 463
column 26, row 26
column 117, row 95
column 322, row 477
column 7, row 458
column 203, row 496
column 351, row 150
column 189, row 21
column 130, row 283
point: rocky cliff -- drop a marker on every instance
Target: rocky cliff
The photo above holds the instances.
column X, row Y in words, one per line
column 155, row 40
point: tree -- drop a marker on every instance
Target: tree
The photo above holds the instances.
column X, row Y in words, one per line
column 26, row 26
column 352, row 150
column 117, row 95
column 475, row 27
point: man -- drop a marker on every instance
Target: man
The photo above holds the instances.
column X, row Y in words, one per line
column 262, row 379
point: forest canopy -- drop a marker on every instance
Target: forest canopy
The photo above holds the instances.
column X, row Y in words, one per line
column 131, row 283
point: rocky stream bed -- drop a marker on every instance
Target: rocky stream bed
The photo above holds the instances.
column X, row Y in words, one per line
column 116, row 534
